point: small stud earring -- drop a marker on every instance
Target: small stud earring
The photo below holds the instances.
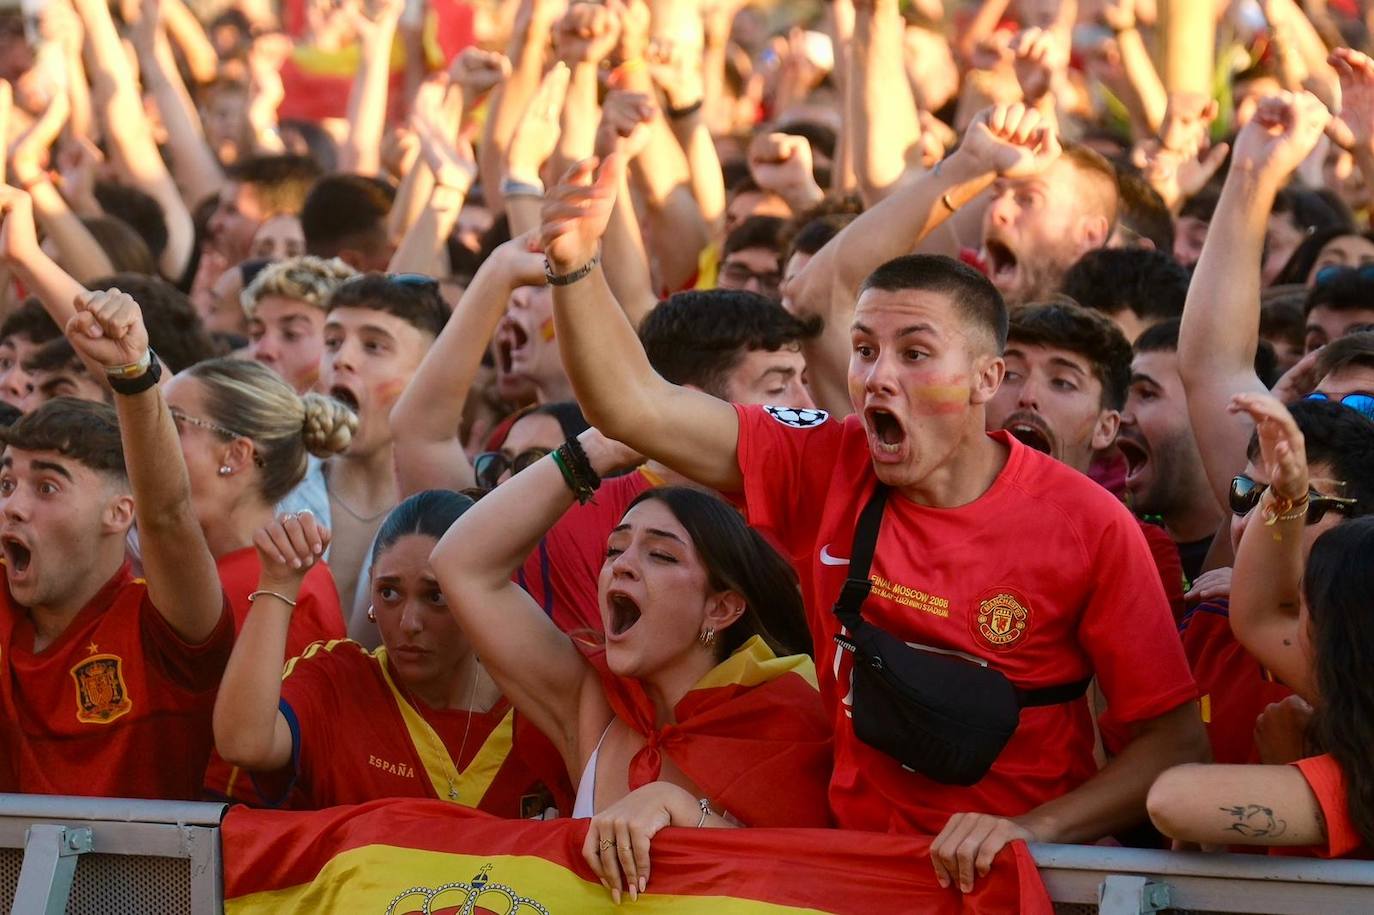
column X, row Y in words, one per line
column 371, row 613
column 225, row 470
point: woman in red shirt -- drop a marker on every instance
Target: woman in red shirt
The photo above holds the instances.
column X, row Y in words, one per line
column 687, row 715
column 1310, row 623
column 418, row 717
column 245, row 435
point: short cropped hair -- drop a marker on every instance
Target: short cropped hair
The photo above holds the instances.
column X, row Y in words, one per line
column 1150, row 284
column 30, row 320
column 343, row 211
column 1344, row 289
column 85, row 431
column 755, row 232
column 418, row 304
column 1099, row 172
column 175, row 331
column 1141, row 211
column 1163, row 338
column 138, row 209
column 1086, row 333
column 1340, row 438
column 698, row 337
column 976, row 299
column 1350, row 351
column 280, row 182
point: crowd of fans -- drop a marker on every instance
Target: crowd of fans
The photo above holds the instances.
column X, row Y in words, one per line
column 901, row 417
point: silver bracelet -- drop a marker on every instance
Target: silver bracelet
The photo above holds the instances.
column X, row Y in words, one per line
column 705, row 805
column 510, row 187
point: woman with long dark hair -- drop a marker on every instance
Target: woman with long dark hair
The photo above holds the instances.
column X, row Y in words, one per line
column 418, row 717
column 1310, row 624
column 690, row 710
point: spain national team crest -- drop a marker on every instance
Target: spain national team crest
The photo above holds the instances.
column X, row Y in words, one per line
column 1002, row 618
column 101, row 696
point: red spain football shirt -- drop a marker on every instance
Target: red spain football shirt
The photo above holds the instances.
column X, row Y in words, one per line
column 317, row 617
column 1235, row 687
column 1044, row 537
column 352, row 744
column 117, row 706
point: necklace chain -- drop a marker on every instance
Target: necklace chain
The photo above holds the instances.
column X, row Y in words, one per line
column 472, row 697
column 338, row 497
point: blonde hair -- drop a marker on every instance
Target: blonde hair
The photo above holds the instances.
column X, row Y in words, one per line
column 306, row 279
column 256, row 403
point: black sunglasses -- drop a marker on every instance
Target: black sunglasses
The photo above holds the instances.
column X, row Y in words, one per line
column 488, row 466
column 1245, row 495
column 1334, row 271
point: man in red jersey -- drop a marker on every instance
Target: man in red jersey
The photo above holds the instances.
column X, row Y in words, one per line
column 975, row 520
column 106, row 681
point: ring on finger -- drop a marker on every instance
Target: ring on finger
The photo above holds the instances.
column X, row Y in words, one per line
column 605, row 844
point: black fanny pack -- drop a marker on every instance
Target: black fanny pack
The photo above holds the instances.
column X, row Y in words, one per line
column 936, row 713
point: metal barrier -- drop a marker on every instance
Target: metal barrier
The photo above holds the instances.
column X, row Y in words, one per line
column 1131, row 881
column 107, row 856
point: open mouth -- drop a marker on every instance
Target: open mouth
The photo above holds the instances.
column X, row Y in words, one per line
column 344, row 396
column 1030, row 429
column 17, row 555
column 624, row 613
column 888, row 434
column 1001, row 262
column 1137, row 457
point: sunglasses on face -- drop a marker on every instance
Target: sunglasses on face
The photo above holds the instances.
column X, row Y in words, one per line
column 489, row 466
column 1335, row 271
column 1360, row 401
column 1245, row 495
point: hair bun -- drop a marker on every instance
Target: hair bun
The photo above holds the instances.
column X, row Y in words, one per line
column 329, row 425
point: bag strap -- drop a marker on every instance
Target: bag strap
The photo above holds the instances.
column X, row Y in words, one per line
column 1052, row 695
column 857, row 586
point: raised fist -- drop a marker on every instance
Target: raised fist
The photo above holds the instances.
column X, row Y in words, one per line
column 108, row 328
column 587, row 33
column 1010, row 140
column 1284, row 131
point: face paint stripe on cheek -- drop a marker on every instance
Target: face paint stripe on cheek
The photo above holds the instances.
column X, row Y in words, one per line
column 546, row 330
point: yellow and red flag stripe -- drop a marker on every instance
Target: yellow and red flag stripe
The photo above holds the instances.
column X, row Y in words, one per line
column 403, row 857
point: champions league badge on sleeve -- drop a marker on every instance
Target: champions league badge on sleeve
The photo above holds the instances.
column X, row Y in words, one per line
column 797, row 417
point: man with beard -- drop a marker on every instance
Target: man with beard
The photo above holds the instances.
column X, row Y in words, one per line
column 1035, row 227
column 1164, row 473
column 1067, row 374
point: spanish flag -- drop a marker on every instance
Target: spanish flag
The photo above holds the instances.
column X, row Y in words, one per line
column 404, row 857
column 761, row 714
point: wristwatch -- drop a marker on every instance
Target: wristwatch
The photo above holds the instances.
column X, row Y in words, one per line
column 135, row 377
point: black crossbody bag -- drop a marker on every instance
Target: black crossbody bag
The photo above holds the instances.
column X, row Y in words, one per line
column 937, row 714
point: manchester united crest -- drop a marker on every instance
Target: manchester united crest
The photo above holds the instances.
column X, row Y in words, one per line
column 1002, row 619
column 101, row 696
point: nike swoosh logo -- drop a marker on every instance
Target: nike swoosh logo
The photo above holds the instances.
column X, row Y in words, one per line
column 827, row 559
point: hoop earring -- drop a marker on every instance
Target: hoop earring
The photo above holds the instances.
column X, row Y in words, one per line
column 371, row 613
column 707, row 636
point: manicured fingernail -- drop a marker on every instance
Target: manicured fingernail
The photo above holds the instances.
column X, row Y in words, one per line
column 295, row 563
column 615, row 895
column 319, row 550
column 634, row 892
column 643, row 882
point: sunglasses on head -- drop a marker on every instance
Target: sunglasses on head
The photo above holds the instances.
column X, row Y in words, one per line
column 1245, row 495
column 488, row 466
column 1335, row 271
column 1359, row 401
column 418, row 280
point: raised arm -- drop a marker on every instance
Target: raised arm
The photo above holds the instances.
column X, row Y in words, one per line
column 623, row 129
column 19, row 249
column 886, row 122
column 426, row 417
column 1142, row 79
column 584, row 38
column 360, row 151
column 1266, row 580
column 537, row 667
column 534, row 141
column 183, row 582
column 620, row 393
column 129, row 134
column 1220, row 332
column 529, row 40
column 80, row 253
column 1008, row 140
column 250, row 730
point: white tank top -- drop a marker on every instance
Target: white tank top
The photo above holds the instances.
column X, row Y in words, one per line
column 584, row 805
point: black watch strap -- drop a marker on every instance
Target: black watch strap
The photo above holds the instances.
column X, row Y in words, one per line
column 137, row 385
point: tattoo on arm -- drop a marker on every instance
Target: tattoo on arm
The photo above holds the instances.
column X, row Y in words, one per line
column 1253, row 821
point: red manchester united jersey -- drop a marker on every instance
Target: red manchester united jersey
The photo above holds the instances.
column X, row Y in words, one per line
column 357, row 735
column 316, row 617
column 1046, row 576
column 117, row 706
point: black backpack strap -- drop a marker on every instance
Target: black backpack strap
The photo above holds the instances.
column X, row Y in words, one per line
column 1053, row 695
column 857, row 585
